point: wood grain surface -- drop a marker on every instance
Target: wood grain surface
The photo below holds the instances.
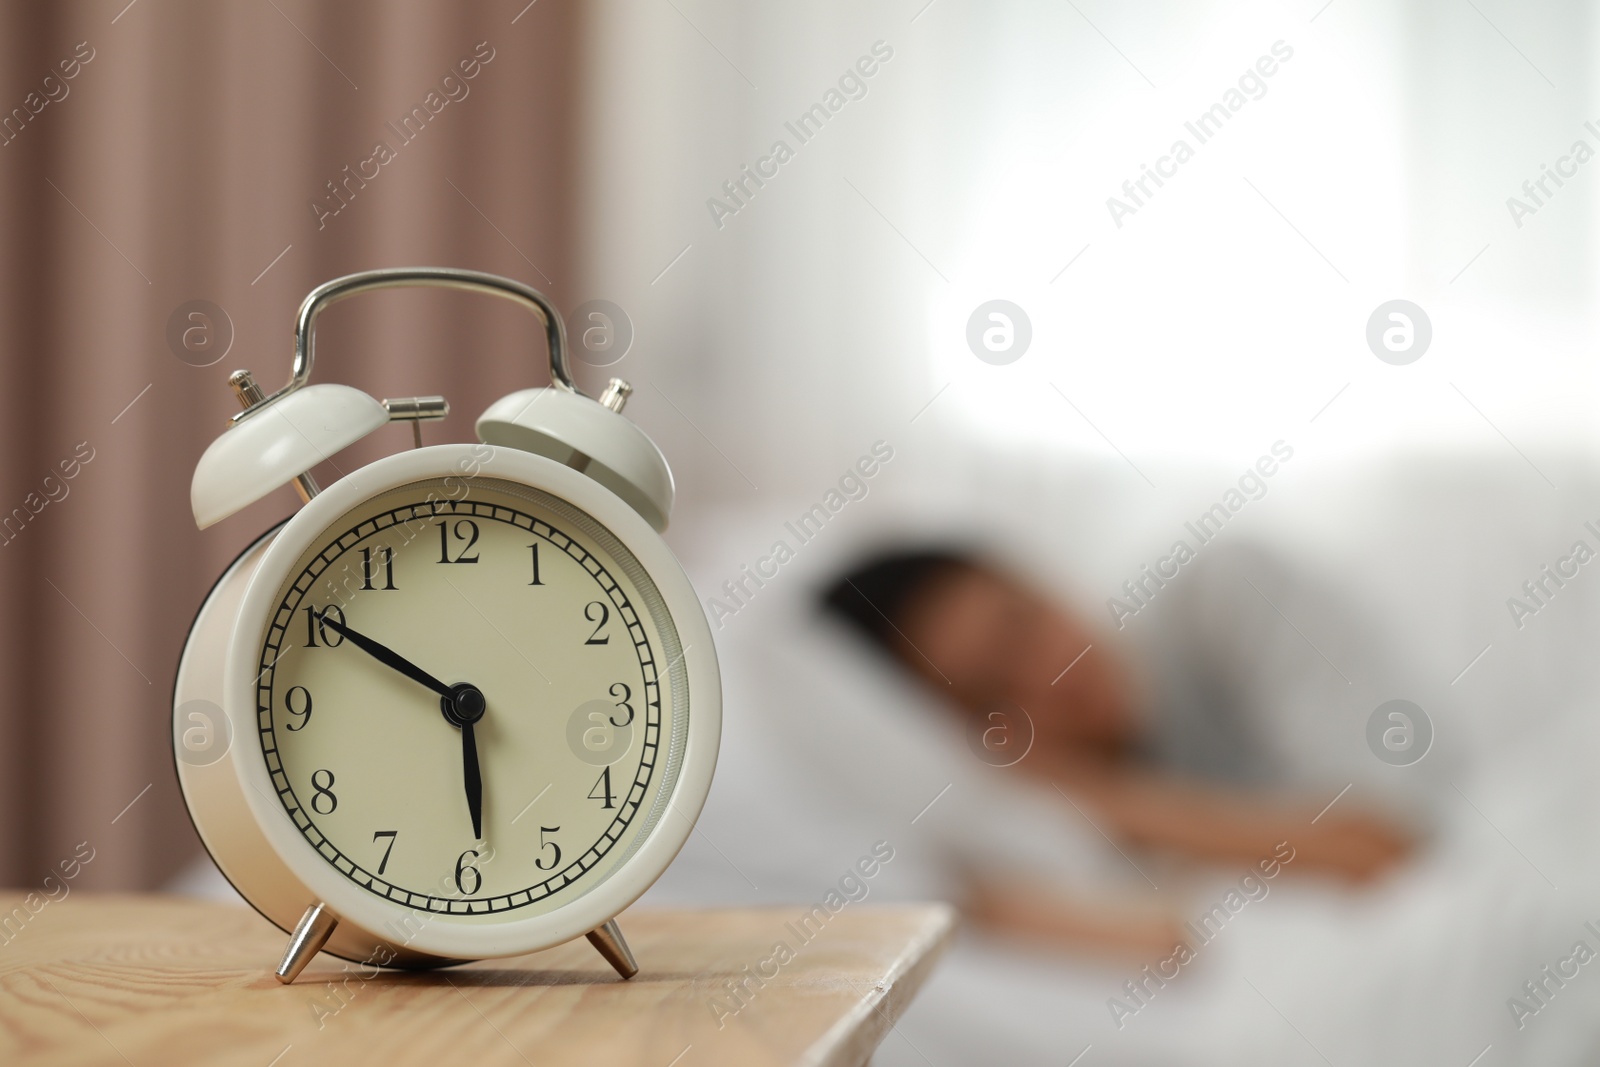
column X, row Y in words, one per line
column 162, row 982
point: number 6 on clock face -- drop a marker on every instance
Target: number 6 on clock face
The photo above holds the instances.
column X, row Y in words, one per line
column 464, row 717
column 443, row 584
column 464, row 703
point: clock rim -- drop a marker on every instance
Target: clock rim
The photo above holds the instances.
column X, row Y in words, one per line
column 472, row 936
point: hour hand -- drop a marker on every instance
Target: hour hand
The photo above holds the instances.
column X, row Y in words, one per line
column 386, row 656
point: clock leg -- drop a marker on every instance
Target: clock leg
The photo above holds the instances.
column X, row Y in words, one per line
column 312, row 932
column 608, row 941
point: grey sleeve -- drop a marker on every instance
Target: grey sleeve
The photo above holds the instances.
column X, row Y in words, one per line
column 1260, row 673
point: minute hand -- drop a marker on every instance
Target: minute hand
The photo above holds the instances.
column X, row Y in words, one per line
column 386, row 656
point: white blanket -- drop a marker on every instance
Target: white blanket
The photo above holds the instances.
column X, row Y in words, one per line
column 826, row 752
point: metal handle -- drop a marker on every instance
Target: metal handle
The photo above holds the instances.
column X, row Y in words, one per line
column 330, row 293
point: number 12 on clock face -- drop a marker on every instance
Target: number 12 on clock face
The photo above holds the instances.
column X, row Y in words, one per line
column 468, row 713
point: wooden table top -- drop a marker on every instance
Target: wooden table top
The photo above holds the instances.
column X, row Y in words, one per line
column 159, row 982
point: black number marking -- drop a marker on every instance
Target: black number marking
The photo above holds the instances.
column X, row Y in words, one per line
column 623, row 703
column 470, row 537
column 543, row 844
column 600, row 624
column 603, row 783
column 391, row 835
column 323, row 790
column 462, row 867
column 386, row 558
column 315, row 629
column 303, row 712
column 284, row 709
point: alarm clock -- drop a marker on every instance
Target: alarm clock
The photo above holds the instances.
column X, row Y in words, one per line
column 462, row 704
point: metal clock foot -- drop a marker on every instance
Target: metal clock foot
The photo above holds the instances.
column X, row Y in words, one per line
column 310, row 934
column 608, row 941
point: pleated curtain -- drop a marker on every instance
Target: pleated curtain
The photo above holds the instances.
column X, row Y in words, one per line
column 165, row 152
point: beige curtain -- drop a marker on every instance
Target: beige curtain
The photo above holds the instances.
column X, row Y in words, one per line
column 178, row 162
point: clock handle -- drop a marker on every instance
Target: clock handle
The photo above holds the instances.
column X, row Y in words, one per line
column 330, row 293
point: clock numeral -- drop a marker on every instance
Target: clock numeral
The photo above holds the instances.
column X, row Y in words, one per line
column 304, row 711
column 603, row 784
column 465, row 867
column 538, row 861
column 623, row 703
column 386, row 559
column 391, row 835
column 599, row 624
column 315, row 629
column 536, row 579
column 323, row 792
column 470, row 536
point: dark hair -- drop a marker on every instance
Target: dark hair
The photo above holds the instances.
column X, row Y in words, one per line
column 873, row 596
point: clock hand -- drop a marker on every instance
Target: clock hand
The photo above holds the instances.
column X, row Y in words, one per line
column 473, row 778
column 386, row 656
column 462, row 708
column 462, row 704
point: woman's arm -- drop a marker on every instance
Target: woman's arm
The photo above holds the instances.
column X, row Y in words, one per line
column 1221, row 825
column 1043, row 917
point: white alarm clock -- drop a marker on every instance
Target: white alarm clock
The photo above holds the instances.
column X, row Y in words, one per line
column 464, row 703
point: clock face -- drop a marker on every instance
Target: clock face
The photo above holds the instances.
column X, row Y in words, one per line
column 458, row 652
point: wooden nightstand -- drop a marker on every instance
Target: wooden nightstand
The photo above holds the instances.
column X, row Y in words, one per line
column 163, row 982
